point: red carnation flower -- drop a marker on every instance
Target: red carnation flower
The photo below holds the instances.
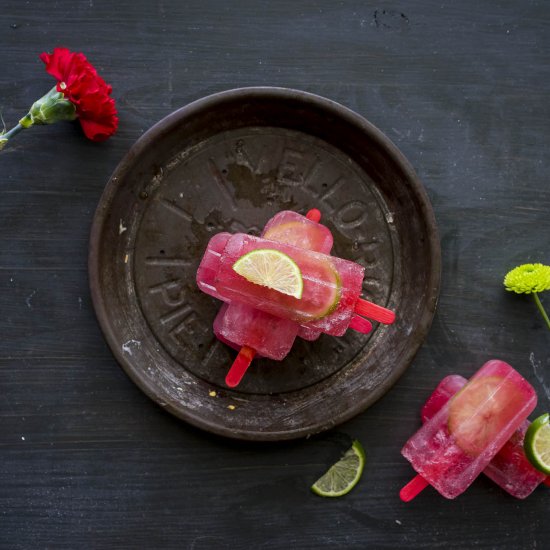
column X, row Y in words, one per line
column 79, row 82
column 80, row 93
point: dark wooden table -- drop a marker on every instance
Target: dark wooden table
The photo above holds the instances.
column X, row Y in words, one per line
column 87, row 460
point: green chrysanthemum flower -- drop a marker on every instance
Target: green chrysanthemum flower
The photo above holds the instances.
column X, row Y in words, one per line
column 528, row 278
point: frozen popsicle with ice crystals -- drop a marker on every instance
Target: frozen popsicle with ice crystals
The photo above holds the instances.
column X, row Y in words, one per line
column 253, row 332
column 304, row 232
column 454, row 446
column 328, row 299
column 510, row 468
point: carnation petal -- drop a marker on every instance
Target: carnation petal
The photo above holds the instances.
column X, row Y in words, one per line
column 99, row 130
column 81, row 85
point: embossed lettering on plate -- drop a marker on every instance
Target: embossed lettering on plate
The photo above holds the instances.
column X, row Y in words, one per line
column 252, row 174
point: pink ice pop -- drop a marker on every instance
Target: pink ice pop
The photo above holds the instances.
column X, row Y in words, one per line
column 331, row 285
column 208, row 268
column 510, row 468
column 348, row 306
column 255, row 331
column 304, row 232
column 301, row 231
column 454, row 446
column 292, row 228
column 240, row 325
column 285, row 227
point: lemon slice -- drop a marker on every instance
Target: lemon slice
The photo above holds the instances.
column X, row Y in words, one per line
column 537, row 443
column 343, row 476
column 272, row 269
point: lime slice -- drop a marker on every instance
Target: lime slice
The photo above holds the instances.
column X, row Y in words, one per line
column 322, row 299
column 479, row 412
column 537, row 443
column 321, row 294
column 343, row 476
column 272, row 269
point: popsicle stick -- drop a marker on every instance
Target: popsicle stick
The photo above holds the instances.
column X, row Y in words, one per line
column 374, row 312
column 547, row 481
column 415, row 486
column 314, row 215
column 239, row 366
column 360, row 324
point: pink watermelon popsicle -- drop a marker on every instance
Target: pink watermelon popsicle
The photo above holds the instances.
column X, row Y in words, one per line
column 510, row 468
column 304, row 232
column 252, row 331
column 301, row 231
column 239, row 325
column 326, row 285
column 208, row 268
column 331, row 286
column 256, row 332
column 259, row 306
column 454, row 446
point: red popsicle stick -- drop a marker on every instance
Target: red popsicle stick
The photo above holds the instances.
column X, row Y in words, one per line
column 547, row 481
column 239, row 366
column 415, row 486
column 374, row 312
column 360, row 324
column 314, row 215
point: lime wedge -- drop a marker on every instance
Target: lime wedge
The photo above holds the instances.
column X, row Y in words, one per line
column 327, row 294
column 272, row 269
column 343, row 476
column 537, row 443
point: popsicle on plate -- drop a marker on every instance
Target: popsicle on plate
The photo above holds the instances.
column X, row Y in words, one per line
column 326, row 299
column 301, row 231
column 330, row 303
column 208, row 268
column 331, row 286
column 240, row 325
column 510, row 468
column 304, row 232
column 253, row 332
column 454, row 446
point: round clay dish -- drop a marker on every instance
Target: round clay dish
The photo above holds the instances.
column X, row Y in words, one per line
column 229, row 162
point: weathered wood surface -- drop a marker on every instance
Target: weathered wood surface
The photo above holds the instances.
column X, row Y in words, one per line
column 86, row 460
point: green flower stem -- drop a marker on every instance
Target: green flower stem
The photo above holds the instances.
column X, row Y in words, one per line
column 14, row 131
column 541, row 308
column 27, row 121
column 50, row 108
column 8, row 135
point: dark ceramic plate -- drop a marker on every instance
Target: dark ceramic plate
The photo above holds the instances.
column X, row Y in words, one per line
column 229, row 162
